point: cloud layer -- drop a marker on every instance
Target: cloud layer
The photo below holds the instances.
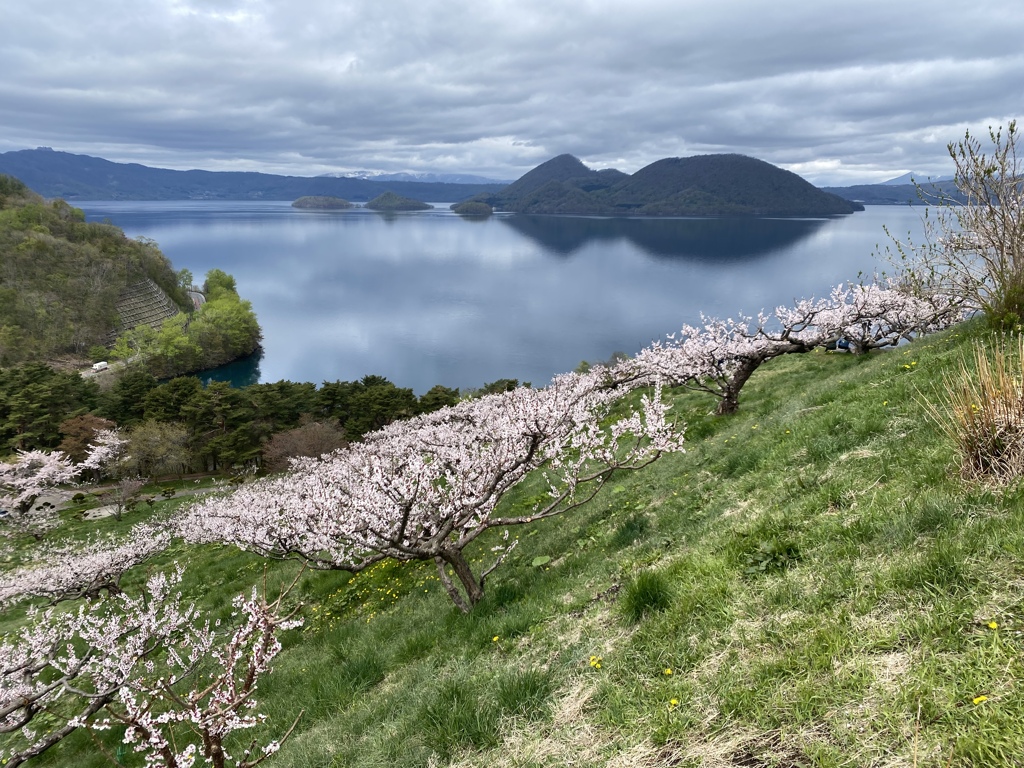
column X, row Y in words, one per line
column 838, row 92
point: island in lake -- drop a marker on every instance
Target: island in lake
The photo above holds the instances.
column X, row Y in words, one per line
column 472, row 208
column 389, row 201
column 704, row 185
column 322, row 203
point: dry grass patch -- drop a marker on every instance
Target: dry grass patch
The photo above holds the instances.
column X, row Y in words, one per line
column 984, row 416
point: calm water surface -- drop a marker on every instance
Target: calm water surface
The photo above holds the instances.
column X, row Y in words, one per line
column 430, row 298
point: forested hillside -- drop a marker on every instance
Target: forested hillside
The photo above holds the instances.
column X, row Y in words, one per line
column 81, row 177
column 60, row 277
column 75, row 290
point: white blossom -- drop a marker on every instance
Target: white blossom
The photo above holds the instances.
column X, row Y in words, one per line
column 427, row 487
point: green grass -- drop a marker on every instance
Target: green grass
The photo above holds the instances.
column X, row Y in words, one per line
column 810, row 584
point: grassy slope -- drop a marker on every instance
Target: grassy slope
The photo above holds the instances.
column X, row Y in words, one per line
column 869, row 646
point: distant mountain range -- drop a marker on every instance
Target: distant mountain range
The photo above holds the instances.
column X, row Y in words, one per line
column 920, row 178
column 899, row 194
column 704, row 185
column 692, row 186
column 81, row 177
column 422, row 178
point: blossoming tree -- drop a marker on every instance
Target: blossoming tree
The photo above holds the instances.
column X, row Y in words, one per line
column 34, row 473
column 68, row 570
column 24, row 480
column 721, row 356
column 879, row 315
column 148, row 662
column 426, row 488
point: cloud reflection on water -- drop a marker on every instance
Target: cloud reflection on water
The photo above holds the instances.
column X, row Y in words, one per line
column 430, row 299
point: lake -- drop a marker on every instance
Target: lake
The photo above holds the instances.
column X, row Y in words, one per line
column 430, row 298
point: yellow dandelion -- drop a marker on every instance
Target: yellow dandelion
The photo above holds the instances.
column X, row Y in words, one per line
column 673, row 703
column 494, row 639
column 993, row 625
column 979, row 699
column 668, row 671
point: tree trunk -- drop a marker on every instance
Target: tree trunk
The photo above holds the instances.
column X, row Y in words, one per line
column 730, row 401
column 474, row 590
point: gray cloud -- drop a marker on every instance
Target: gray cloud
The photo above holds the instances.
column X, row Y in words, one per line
column 839, row 92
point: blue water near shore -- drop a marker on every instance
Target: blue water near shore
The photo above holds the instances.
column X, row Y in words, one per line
column 430, row 298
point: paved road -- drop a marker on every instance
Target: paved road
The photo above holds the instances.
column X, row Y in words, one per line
column 89, row 373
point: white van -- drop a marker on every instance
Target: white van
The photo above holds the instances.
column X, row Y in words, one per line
column 100, row 366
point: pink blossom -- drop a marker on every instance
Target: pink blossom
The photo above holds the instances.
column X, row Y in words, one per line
column 66, row 570
column 425, row 488
column 148, row 662
column 721, row 355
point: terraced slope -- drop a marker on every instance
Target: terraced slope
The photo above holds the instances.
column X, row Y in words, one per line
column 143, row 303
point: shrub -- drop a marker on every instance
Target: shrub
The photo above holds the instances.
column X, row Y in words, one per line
column 985, row 416
column 974, row 248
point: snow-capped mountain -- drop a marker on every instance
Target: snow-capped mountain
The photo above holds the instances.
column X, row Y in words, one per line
column 920, row 178
column 429, row 178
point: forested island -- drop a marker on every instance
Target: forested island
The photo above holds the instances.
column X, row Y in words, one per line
column 705, row 185
column 73, row 291
column 472, row 208
column 389, row 201
column 694, row 186
column 322, row 203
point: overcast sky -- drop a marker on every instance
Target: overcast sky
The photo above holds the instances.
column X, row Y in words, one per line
column 840, row 92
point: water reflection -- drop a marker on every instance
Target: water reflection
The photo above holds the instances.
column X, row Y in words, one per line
column 429, row 298
column 712, row 239
column 240, row 373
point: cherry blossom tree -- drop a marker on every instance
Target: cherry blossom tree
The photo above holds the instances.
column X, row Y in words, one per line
column 721, row 356
column 106, row 450
column 68, row 570
column 24, row 480
column 426, row 488
column 878, row 315
column 212, row 705
column 151, row 663
column 34, row 473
